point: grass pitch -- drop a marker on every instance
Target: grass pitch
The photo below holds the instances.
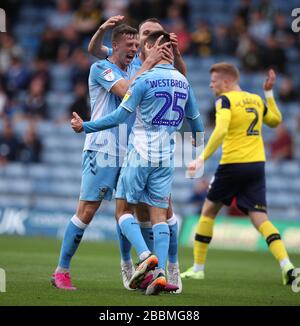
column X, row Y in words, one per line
column 232, row 277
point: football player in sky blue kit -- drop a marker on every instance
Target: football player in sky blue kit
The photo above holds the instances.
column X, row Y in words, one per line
column 97, row 49
column 161, row 97
column 108, row 82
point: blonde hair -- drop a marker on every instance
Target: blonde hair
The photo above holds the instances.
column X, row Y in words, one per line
column 226, row 69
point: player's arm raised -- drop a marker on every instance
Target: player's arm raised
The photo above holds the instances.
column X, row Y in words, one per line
column 178, row 60
column 96, row 47
column 272, row 115
column 158, row 52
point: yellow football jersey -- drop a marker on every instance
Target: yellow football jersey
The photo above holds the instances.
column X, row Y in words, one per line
column 243, row 142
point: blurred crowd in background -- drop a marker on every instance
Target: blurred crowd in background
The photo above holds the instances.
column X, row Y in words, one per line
column 44, row 63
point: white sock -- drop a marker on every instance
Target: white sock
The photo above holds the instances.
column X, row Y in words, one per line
column 61, row 270
column 198, row 267
column 144, row 255
column 127, row 262
column 284, row 262
column 172, row 265
column 158, row 271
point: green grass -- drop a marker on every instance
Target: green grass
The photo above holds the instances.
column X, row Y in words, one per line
column 232, row 277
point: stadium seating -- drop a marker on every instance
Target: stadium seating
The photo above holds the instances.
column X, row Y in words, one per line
column 54, row 184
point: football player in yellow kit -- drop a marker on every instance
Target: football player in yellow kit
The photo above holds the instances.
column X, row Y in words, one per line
column 241, row 173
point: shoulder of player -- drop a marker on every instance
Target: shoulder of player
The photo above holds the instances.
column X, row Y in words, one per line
column 223, row 101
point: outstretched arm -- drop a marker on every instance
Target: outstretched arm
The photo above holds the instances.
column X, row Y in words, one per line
column 111, row 120
column 272, row 115
column 223, row 118
column 96, row 47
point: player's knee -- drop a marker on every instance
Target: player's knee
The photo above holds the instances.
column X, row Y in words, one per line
column 86, row 212
column 210, row 209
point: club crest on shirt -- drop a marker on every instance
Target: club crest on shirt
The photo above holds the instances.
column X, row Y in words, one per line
column 108, row 74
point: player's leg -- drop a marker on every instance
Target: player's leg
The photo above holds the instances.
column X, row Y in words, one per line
column 203, row 236
column 143, row 216
column 131, row 229
column 252, row 200
column 173, row 270
column 71, row 240
column 222, row 189
column 271, row 234
column 161, row 235
column 157, row 196
column 142, row 213
column 97, row 184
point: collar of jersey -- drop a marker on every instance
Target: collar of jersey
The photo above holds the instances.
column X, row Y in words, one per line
column 165, row 66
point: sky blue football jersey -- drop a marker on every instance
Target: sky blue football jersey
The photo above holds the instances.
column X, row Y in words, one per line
column 162, row 97
column 103, row 76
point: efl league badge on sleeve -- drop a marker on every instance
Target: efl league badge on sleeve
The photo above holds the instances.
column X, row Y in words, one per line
column 108, row 74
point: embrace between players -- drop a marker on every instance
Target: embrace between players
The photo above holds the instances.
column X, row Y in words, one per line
column 144, row 90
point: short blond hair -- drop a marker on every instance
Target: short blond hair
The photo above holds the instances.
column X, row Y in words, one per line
column 226, row 69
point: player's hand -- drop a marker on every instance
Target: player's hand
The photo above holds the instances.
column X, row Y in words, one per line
column 160, row 52
column 77, row 123
column 174, row 42
column 193, row 167
column 270, row 80
column 111, row 22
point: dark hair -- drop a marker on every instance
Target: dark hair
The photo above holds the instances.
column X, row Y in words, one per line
column 150, row 20
column 152, row 37
column 122, row 29
column 226, row 69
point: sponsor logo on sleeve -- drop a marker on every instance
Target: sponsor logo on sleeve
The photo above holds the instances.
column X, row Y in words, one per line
column 108, row 74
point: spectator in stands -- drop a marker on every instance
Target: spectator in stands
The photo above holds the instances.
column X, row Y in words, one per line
column 80, row 104
column 35, row 105
column 30, row 147
column 281, row 28
column 273, row 55
column 260, row 27
column 287, row 91
column 184, row 9
column 202, row 40
column 266, row 8
column 41, row 71
column 62, row 16
column 16, row 77
column 81, row 67
column 137, row 11
column 87, row 18
column 3, row 101
column 116, row 7
column 199, row 194
column 9, row 144
column 49, row 45
column 222, row 41
column 8, row 50
column 250, row 54
column 183, row 35
column 281, row 147
column 244, row 11
column 70, row 40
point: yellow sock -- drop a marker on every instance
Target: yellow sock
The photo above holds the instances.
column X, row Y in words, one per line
column 273, row 239
column 203, row 237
